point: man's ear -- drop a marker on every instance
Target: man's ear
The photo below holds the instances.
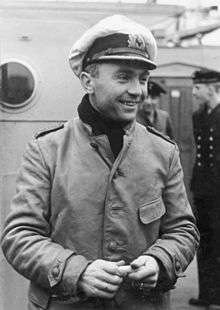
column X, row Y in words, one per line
column 86, row 82
column 211, row 90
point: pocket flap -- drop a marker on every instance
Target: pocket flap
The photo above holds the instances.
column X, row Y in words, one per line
column 152, row 211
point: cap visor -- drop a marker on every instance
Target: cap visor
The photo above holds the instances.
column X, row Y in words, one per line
column 148, row 64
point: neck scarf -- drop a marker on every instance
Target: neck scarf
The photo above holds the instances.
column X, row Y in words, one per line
column 101, row 125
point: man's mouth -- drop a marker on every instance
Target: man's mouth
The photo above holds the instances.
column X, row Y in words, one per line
column 129, row 103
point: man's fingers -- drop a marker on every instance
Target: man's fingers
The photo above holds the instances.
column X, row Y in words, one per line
column 141, row 273
column 138, row 262
column 107, row 287
column 95, row 292
column 144, row 267
column 101, row 289
column 110, row 278
column 120, row 263
column 124, row 270
column 112, row 267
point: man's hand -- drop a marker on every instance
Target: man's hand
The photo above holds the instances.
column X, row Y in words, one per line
column 101, row 279
column 145, row 269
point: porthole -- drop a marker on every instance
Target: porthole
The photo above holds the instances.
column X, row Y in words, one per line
column 17, row 85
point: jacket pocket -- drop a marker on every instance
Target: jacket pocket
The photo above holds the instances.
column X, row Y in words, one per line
column 151, row 211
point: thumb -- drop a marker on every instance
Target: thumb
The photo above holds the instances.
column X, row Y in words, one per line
column 138, row 262
column 120, row 263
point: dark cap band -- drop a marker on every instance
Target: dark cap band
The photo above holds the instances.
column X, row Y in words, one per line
column 154, row 89
column 205, row 76
column 117, row 44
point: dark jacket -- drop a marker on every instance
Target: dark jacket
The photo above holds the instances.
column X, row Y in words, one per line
column 74, row 203
column 206, row 171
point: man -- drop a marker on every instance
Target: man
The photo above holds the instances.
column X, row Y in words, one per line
column 150, row 115
column 101, row 219
column 206, row 183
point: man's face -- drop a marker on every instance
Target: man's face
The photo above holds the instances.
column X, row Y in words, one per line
column 150, row 103
column 118, row 90
column 201, row 95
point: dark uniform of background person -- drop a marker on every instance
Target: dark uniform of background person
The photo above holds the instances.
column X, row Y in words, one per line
column 205, row 183
column 100, row 219
column 149, row 113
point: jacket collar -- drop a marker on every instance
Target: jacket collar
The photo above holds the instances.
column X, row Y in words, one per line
column 98, row 125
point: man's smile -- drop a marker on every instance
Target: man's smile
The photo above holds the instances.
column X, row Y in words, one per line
column 129, row 103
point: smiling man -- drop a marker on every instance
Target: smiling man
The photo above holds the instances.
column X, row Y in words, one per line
column 101, row 219
column 117, row 90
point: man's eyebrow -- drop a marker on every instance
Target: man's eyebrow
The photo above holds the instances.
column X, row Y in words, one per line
column 124, row 70
column 130, row 71
column 146, row 72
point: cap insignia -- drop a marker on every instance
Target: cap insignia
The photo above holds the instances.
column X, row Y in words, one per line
column 137, row 42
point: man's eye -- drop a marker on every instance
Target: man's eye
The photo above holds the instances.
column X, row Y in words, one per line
column 123, row 77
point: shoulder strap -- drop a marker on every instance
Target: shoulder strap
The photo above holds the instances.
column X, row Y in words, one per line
column 158, row 133
column 45, row 132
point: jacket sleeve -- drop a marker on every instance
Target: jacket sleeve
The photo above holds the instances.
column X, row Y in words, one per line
column 179, row 236
column 26, row 240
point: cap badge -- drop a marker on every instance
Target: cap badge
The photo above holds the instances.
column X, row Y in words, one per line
column 136, row 41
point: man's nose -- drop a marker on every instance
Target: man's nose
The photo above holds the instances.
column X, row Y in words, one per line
column 135, row 88
column 148, row 100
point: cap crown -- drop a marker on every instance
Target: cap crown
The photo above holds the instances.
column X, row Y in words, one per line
column 204, row 76
column 114, row 37
column 155, row 89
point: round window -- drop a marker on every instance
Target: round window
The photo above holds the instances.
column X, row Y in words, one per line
column 16, row 85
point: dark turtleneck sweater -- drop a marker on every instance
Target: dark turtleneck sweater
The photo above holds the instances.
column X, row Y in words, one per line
column 100, row 125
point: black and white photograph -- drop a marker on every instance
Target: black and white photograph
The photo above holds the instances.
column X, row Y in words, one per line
column 110, row 155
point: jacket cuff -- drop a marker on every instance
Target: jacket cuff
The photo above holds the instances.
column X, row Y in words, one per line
column 68, row 285
column 170, row 267
column 56, row 271
column 164, row 282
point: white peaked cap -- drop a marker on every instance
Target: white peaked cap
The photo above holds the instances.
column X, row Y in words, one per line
column 115, row 37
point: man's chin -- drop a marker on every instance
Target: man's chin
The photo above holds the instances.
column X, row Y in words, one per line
column 125, row 120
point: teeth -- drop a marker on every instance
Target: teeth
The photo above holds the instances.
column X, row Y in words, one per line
column 129, row 103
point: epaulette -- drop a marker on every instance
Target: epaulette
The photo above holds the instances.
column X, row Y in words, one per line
column 160, row 134
column 45, row 132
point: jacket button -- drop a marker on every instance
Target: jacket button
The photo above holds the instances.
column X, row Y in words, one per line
column 115, row 174
column 178, row 267
column 112, row 245
column 119, row 173
column 56, row 271
column 94, row 145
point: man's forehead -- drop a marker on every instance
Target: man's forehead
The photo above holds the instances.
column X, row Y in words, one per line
column 200, row 85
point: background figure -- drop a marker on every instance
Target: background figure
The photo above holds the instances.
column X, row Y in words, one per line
column 149, row 113
column 205, row 183
column 100, row 219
